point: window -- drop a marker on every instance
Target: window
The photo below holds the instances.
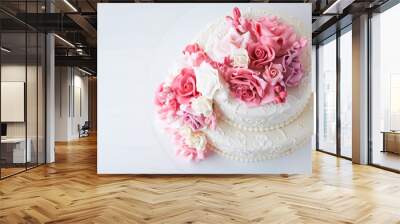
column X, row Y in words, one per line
column 327, row 96
column 385, row 89
column 335, row 74
column 346, row 93
column 22, row 101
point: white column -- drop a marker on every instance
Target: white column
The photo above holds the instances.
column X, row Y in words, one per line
column 50, row 100
column 360, row 90
column 50, row 92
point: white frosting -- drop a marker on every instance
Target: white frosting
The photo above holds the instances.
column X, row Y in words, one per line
column 242, row 145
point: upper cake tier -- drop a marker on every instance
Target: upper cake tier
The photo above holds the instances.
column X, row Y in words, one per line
column 265, row 117
column 261, row 117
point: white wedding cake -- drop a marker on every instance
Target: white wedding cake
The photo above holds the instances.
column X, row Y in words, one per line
column 260, row 103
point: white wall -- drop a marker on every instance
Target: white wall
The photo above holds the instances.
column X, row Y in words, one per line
column 69, row 85
column 12, row 73
column 61, row 103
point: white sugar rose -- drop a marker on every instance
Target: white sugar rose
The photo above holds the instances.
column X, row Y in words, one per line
column 222, row 43
column 240, row 57
column 202, row 105
column 197, row 141
column 207, row 80
column 185, row 131
column 194, row 140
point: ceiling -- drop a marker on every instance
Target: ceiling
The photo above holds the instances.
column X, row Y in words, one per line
column 75, row 22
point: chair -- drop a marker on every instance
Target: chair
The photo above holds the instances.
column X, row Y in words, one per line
column 84, row 130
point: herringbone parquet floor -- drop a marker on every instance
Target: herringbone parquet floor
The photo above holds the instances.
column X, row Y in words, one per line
column 70, row 191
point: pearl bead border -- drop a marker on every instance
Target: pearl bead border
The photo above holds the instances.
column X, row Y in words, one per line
column 272, row 127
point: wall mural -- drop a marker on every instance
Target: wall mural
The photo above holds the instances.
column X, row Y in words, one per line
column 232, row 87
column 240, row 90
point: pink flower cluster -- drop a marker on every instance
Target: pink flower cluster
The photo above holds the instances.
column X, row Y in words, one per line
column 274, row 52
column 186, row 151
column 174, row 105
column 259, row 59
column 181, row 92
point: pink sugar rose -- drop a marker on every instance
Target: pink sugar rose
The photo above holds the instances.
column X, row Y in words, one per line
column 276, row 34
column 184, row 86
column 188, row 152
column 273, row 73
column 280, row 93
column 166, row 102
column 172, row 105
column 292, row 68
column 246, row 85
column 294, row 73
column 195, row 122
column 259, row 55
column 293, row 52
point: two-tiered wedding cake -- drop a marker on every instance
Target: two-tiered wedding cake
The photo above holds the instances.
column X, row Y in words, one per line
column 241, row 89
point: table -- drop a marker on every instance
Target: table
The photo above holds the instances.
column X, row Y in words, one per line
column 17, row 150
column 391, row 141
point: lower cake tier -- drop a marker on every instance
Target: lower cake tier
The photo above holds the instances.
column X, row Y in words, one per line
column 250, row 146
